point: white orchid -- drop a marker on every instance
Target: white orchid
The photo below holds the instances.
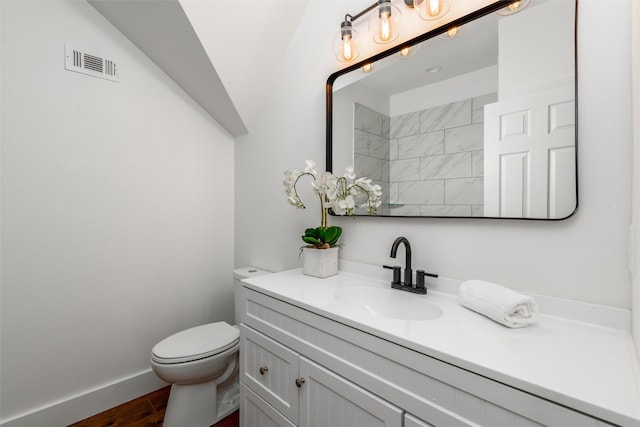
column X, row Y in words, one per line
column 341, row 194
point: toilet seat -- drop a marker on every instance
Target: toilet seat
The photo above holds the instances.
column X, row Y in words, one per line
column 196, row 343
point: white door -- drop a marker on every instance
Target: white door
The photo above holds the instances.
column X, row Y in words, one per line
column 328, row 400
column 529, row 158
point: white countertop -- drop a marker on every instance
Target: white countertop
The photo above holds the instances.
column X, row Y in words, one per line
column 584, row 366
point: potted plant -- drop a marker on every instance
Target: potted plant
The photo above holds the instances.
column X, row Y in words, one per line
column 342, row 194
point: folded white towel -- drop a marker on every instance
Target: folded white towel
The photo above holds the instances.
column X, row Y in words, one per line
column 501, row 304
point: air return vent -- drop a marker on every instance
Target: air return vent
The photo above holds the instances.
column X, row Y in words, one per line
column 92, row 65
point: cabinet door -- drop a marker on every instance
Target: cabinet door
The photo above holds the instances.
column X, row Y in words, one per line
column 270, row 370
column 255, row 412
column 328, row 400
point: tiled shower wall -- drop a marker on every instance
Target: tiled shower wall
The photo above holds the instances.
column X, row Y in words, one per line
column 429, row 162
column 371, row 146
column 436, row 160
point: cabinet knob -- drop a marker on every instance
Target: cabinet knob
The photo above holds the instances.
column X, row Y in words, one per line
column 299, row 382
column 263, row 369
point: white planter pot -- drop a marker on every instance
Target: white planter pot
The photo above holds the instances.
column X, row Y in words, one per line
column 320, row 262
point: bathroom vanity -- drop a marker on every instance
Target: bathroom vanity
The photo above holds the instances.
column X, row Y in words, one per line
column 348, row 350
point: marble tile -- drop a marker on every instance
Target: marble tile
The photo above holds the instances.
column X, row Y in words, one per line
column 367, row 119
column 464, row 138
column 386, row 126
column 386, row 171
column 393, row 193
column 445, row 210
column 446, row 116
column 477, row 163
column 405, row 125
column 370, row 145
column 456, row 165
column 477, row 210
column 464, row 191
column 478, row 103
column 393, row 149
column 405, row 170
column 379, row 147
column 426, row 144
column 361, row 142
column 421, row 192
column 369, row 167
column 405, row 210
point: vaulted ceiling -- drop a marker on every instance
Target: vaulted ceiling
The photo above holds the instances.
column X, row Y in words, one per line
column 223, row 53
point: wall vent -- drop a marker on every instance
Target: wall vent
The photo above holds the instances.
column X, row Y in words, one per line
column 92, row 65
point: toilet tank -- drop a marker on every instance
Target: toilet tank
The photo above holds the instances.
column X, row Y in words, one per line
column 238, row 275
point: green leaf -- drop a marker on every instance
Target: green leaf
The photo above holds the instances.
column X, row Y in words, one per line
column 322, row 234
column 311, row 240
column 312, row 232
column 333, row 234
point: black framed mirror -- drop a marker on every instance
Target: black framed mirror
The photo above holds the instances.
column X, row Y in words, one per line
column 480, row 125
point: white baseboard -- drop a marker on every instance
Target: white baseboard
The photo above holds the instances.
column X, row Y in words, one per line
column 78, row 407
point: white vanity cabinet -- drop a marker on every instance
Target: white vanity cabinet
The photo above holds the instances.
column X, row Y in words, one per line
column 350, row 374
column 282, row 388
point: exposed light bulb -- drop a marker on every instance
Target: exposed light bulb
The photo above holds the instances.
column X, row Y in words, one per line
column 430, row 10
column 385, row 26
column 405, row 51
column 384, row 23
column 367, row 67
column 347, row 50
column 514, row 6
column 434, row 7
column 453, row 31
column 345, row 44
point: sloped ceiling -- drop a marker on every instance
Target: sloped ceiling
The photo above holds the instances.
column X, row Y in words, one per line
column 224, row 53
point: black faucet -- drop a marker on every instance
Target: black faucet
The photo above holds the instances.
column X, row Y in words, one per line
column 408, row 273
column 419, row 288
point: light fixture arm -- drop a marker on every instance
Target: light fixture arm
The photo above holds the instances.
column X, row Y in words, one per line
column 360, row 14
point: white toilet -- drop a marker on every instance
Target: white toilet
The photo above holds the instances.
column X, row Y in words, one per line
column 202, row 365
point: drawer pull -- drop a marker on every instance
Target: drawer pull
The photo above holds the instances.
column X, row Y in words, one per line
column 263, row 369
column 299, row 382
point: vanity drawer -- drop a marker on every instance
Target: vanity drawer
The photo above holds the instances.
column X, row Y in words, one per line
column 437, row 392
column 270, row 370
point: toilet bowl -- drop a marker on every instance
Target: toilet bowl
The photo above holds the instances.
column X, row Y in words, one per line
column 201, row 363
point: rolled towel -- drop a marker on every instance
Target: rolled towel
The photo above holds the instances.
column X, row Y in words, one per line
column 498, row 303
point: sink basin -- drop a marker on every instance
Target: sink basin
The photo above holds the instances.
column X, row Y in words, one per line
column 387, row 303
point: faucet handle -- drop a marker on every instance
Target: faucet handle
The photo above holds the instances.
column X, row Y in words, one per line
column 420, row 279
column 396, row 273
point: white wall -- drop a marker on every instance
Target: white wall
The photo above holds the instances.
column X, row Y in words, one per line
column 582, row 258
column 635, row 212
column 469, row 85
column 531, row 60
column 117, row 215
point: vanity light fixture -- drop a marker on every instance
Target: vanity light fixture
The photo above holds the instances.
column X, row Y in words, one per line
column 430, row 10
column 514, row 7
column 454, row 32
column 383, row 24
column 344, row 45
column 408, row 51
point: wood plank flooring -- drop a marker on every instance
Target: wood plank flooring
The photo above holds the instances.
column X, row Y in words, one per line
column 145, row 411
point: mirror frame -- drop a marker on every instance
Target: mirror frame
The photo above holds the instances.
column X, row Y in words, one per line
column 494, row 7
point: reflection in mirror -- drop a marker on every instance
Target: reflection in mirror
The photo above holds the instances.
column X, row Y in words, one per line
column 481, row 124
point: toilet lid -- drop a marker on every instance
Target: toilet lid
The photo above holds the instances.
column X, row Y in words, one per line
column 196, row 343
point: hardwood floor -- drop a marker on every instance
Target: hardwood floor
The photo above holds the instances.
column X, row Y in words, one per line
column 147, row 410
